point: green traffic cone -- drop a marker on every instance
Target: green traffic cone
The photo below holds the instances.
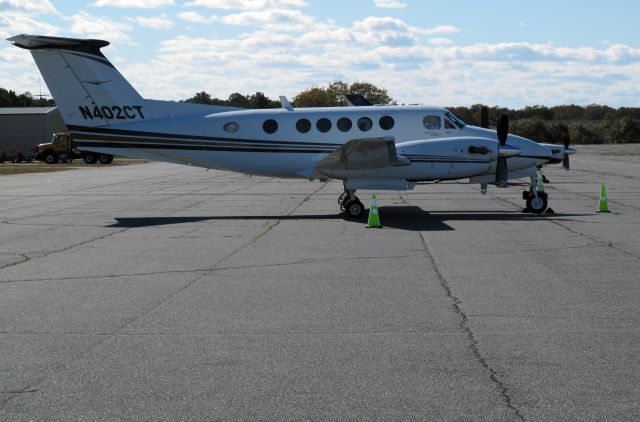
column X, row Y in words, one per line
column 602, row 205
column 374, row 217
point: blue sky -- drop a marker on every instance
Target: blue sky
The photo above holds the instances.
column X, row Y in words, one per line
column 444, row 53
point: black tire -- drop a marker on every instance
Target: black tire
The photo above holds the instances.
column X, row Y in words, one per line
column 90, row 158
column 50, row 157
column 105, row 158
column 537, row 205
column 354, row 208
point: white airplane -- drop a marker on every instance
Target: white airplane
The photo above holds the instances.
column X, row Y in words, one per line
column 368, row 147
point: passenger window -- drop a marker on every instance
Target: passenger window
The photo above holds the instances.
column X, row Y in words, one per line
column 365, row 124
column 231, row 127
column 431, row 122
column 303, row 125
column 344, row 124
column 323, row 125
column 270, row 126
column 386, row 122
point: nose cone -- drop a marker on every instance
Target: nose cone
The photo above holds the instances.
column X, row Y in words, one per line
column 569, row 151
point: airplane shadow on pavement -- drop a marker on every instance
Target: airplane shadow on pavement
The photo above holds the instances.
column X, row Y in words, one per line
column 410, row 218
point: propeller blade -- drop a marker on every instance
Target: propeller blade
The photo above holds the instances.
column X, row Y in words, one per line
column 484, row 117
column 501, row 172
column 566, row 139
column 503, row 129
column 501, row 167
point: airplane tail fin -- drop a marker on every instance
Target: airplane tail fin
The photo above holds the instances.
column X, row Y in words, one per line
column 87, row 88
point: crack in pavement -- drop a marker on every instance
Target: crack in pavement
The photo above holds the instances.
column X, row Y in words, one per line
column 44, row 254
column 201, row 270
column 159, row 303
column 25, row 259
column 464, row 326
column 473, row 341
column 574, row 231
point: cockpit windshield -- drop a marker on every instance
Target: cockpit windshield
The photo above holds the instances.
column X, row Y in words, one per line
column 455, row 119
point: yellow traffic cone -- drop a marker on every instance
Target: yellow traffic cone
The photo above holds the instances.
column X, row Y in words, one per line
column 374, row 217
column 602, row 205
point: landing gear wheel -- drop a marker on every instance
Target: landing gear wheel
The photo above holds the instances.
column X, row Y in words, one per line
column 538, row 204
column 105, row 158
column 354, row 208
column 90, row 158
column 50, row 158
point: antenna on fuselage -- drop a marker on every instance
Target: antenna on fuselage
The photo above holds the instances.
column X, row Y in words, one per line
column 285, row 103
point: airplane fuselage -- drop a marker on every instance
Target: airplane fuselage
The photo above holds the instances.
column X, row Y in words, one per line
column 290, row 142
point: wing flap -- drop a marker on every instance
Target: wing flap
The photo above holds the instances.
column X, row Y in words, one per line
column 362, row 154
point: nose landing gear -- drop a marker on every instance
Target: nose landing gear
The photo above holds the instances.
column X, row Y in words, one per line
column 536, row 200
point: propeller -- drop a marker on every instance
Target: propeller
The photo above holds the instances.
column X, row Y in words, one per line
column 484, row 117
column 501, row 168
column 566, row 139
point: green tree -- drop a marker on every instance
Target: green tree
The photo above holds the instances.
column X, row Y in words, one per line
column 201, row 97
column 333, row 94
column 259, row 100
column 315, row 97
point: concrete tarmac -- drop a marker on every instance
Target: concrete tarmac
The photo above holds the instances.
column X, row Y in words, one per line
column 162, row 292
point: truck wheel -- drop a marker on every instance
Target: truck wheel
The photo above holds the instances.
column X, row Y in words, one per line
column 105, row 158
column 90, row 158
column 50, row 157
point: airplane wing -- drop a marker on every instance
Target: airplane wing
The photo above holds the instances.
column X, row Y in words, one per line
column 362, row 154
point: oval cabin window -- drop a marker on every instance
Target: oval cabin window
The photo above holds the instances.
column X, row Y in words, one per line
column 270, row 126
column 386, row 122
column 323, row 125
column 303, row 125
column 365, row 124
column 344, row 124
column 231, row 127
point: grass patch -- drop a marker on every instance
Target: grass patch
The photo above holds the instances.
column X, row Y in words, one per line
column 8, row 168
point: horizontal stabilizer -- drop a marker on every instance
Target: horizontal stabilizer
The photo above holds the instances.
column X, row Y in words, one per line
column 39, row 42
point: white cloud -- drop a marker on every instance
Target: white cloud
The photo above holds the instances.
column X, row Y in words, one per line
column 37, row 6
column 279, row 19
column 139, row 4
column 390, row 4
column 13, row 23
column 513, row 74
column 440, row 29
column 196, row 17
column 247, row 4
column 282, row 51
column 84, row 24
column 154, row 22
column 440, row 41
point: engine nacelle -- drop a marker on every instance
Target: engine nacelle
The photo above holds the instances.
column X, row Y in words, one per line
column 450, row 149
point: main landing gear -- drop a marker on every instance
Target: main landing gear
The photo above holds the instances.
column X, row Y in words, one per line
column 350, row 203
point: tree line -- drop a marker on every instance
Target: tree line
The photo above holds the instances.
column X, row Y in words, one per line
column 9, row 98
column 591, row 124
